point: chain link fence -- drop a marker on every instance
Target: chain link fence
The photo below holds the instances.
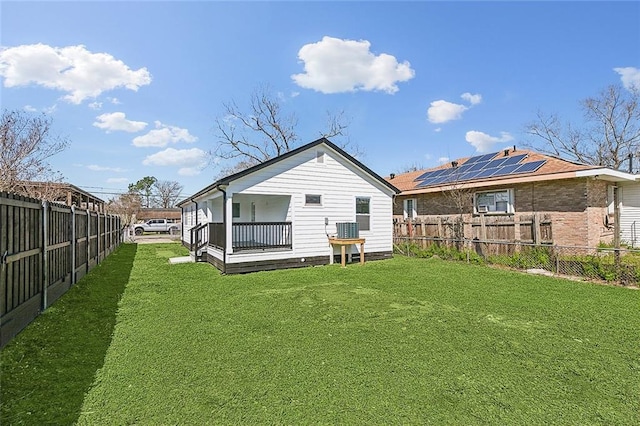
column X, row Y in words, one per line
column 620, row 266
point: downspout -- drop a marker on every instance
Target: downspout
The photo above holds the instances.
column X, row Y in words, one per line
column 182, row 225
column 224, row 222
column 191, row 244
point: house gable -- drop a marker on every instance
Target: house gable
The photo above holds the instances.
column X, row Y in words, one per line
column 313, row 147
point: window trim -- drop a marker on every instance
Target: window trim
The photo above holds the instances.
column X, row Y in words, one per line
column 368, row 214
column 414, row 209
column 510, row 202
column 233, row 206
column 308, row 204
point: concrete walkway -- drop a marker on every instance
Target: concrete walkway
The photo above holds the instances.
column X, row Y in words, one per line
column 182, row 259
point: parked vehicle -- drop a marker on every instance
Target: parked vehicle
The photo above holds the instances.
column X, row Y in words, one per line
column 156, row 225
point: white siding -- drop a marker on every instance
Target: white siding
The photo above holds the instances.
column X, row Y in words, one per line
column 339, row 183
column 630, row 214
column 188, row 220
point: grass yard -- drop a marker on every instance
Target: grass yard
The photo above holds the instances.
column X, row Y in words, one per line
column 411, row 341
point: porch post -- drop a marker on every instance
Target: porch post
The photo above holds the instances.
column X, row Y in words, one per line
column 228, row 222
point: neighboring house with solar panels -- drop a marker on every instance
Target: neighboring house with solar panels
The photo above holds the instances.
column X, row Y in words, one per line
column 514, row 189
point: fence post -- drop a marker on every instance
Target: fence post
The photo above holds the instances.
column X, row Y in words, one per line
column 88, row 239
column 73, row 245
column 45, row 253
column 555, row 251
column 535, row 223
column 98, row 239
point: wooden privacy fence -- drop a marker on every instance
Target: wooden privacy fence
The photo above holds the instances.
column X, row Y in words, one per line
column 535, row 229
column 44, row 249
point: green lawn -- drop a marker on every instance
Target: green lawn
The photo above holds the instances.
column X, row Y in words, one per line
column 409, row 341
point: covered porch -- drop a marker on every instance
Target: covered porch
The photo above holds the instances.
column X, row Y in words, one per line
column 244, row 223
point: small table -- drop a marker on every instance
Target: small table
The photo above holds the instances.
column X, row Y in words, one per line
column 343, row 243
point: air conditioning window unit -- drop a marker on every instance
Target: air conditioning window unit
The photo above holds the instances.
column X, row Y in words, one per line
column 483, row 209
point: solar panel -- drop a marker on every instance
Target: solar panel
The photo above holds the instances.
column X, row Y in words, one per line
column 488, row 157
column 495, row 163
column 425, row 183
column 473, row 174
column 485, row 157
column 430, row 174
column 473, row 159
column 507, row 170
column 480, row 167
column 486, row 173
column 514, row 160
column 529, row 167
column 464, row 168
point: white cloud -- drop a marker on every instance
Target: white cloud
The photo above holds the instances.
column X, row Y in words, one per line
column 29, row 108
column 443, row 111
column 333, row 65
column 114, row 121
column 443, row 160
column 96, row 168
column 191, row 161
column 472, row 99
column 95, row 105
column 118, row 180
column 163, row 135
column 630, row 77
column 72, row 69
column 483, row 142
column 50, row 110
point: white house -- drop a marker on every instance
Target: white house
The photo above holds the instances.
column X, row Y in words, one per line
column 630, row 213
column 282, row 213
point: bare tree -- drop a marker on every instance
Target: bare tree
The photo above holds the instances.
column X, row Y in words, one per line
column 261, row 133
column 609, row 137
column 166, row 193
column 460, row 198
column 127, row 206
column 26, row 145
column 264, row 131
column 410, row 167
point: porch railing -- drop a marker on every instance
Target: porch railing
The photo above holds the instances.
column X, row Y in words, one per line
column 198, row 237
column 261, row 235
column 252, row 235
column 217, row 237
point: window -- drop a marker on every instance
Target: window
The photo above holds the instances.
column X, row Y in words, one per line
column 410, row 208
column 312, row 200
column 363, row 213
column 494, row 201
column 235, row 207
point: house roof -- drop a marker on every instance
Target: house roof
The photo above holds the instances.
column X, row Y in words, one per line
column 62, row 186
column 322, row 141
column 552, row 168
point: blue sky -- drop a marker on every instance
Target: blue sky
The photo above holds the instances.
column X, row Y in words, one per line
column 137, row 86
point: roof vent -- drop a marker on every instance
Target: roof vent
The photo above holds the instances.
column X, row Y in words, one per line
column 506, row 152
column 392, row 175
column 454, row 164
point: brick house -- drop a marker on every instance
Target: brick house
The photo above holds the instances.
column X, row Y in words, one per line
column 518, row 195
